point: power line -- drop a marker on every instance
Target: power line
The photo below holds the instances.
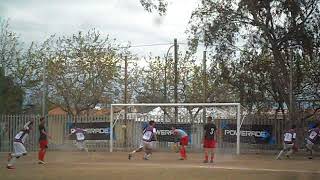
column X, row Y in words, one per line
column 156, row 44
column 146, row 45
column 166, row 44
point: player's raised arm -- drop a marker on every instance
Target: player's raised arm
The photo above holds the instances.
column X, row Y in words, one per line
column 68, row 135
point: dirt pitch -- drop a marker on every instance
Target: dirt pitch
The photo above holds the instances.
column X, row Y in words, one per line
column 162, row 166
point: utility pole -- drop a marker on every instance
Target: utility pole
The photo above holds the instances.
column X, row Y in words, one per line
column 205, row 83
column 291, row 88
column 125, row 97
column 165, row 87
column 44, row 88
column 175, row 78
column 165, row 82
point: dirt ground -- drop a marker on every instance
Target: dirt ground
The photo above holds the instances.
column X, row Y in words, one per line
column 162, row 166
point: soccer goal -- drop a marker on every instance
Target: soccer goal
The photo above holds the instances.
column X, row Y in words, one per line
column 128, row 120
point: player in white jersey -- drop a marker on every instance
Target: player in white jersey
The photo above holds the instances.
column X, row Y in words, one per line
column 80, row 138
column 149, row 135
column 18, row 145
column 289, row 138
column 312, row 139
column 140, row 148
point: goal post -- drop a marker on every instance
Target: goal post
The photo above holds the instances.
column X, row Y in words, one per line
column 237, row 106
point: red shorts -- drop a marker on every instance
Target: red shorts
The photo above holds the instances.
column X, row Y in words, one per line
column 209, row 143
column 184, row 141
column 43, row 144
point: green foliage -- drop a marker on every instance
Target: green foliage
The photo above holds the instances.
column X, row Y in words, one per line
column 270, row 31
column 11, row 95
column 155, row 5
column 80, row 69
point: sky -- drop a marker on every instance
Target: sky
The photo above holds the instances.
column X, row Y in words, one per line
column 125, row 20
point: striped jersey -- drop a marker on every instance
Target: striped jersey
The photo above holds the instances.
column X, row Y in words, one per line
column 21, row 136
column 80, row 134
column 289, row 136
column 148, row 134
column 314, row 134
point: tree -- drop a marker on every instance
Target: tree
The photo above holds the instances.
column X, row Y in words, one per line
column 11, row 95
column 271, row 31
column 27, row 69
column 10, row 49
column 152, row 79
column 79, row 70
column 155, row 5
column 22, row 64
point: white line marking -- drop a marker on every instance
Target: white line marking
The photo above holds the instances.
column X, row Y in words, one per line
column 202, row 166
column 267, row 169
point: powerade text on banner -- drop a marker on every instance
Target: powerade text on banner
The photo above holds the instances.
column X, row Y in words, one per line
column 94, row 130
column 164, row 132
column 252, row 134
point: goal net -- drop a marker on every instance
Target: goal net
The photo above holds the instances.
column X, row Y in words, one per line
column 128, row 120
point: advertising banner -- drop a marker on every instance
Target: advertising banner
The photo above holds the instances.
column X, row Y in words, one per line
column 94, row 130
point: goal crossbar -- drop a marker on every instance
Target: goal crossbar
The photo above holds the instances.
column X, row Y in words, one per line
column 237, row 105
column 178, row 104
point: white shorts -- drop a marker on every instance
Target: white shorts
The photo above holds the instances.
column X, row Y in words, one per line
column 147, row 145
column 81, row 145
column 309, row 144
column 19, row 149
column 287, row 146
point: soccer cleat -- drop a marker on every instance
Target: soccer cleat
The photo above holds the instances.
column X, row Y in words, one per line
column 205, row 161
column 41, row 162
column 129, row 156
column 211, row 161
column 288, row 157
column 145, row 158
column 11, row 167
column 182, row 159
column 310, row 158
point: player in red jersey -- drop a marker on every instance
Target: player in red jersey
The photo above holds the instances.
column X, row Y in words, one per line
column 209, row 143
column 184, row 139
column 43, row 141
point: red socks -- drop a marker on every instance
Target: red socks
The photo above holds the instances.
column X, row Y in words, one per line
column 207, row 157
column 183, row 153
column 41, row 154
